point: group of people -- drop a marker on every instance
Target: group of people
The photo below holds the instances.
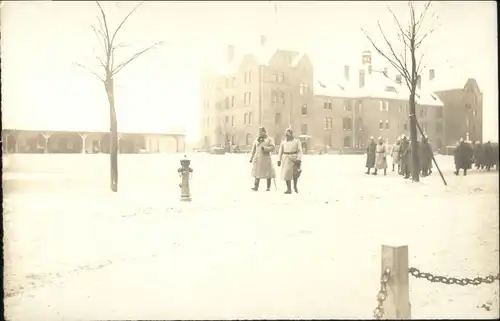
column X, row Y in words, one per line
column 483, row 156
column 400, row 152
column 289, row 159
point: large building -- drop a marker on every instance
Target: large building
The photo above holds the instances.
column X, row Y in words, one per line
column 463, row 102
column 278, row 88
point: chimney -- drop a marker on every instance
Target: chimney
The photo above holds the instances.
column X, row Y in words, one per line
column 230, row 53
column 263, row 40
column 366, row 57
column 361, row 78
column 419, row 82
column 346, row 72
column 432, row 74
column 386, row 71
column 398, row 79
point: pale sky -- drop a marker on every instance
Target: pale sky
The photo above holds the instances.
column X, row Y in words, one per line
column 41, row 41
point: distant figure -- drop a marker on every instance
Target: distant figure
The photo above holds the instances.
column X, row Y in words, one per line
column 479, row 155
column 380, row 157
column 426, row 156
column 290, row 160
column 370, row 155
column 261, row 159
column 395, row 155
column 489, row 156
column 463, row 157
column 404, row 156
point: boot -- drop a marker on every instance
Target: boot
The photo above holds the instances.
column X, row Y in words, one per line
column 393, row 167
column 368, row 171
column 255, row 187
column 375, row 172
column 385, row 171
column 268, row 185
column 288, row 187
column 465, row 171
column 295, row 181
column 456, row 172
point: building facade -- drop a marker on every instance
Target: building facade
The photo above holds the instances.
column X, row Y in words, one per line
column 279, row 88
column 463, row 112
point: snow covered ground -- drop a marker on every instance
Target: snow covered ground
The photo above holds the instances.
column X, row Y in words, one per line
column 75, row 251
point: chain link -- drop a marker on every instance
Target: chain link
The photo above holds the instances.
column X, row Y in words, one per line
column 378, row 313
column 452, row 280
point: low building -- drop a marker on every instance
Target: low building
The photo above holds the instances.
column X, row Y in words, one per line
column 89, row 142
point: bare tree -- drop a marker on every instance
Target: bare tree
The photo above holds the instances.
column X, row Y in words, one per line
column 410, row 38
column 109, row 69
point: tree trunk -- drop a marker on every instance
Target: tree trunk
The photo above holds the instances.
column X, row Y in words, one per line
column 113, row 137
column 413, row 115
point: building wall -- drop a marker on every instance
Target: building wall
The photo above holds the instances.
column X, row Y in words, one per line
column 463, row 113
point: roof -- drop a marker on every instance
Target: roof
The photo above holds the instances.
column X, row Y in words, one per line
column 377, row 86
column 447, row 79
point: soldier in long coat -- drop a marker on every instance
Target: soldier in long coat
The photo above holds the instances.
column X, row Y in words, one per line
column 262, row 165
column 425, row 156
column 479, row 155
column 380, row 157
column 370, row 155
column 290, row 160
column 404, row 156
column 463, row 157
column 489, row 160
column 395, row 155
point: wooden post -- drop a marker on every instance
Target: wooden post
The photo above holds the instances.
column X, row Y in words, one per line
column 433, row 159
column 397, row 304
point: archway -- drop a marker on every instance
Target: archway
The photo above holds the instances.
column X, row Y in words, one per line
column 64, row 142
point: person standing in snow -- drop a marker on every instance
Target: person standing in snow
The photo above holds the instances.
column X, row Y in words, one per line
column 262, row 165
column 395, row 155
column 380, row 156
column 290, row 160
column 370, row 155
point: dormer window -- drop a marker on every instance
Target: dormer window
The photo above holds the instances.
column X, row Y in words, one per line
column 391, row 89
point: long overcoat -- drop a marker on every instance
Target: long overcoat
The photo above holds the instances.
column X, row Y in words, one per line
column 381, row 156
column 463, row 156
column 370, row 155
column 395, row 153
column 425, row 155
column 262, row 164
column 290, row 151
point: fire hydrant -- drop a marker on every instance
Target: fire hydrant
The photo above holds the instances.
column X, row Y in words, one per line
column 185, row 172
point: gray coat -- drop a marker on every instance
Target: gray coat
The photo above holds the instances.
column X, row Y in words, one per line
column 288, row 153
column 262, row 164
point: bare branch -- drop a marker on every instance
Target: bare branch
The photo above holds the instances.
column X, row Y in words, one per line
column 99, row 59
column 419, row 42
column 100, row 37
column 399, row 68
column 422, row 16
column 93, row 73
column 404, row 68
column 135, row 56
column 123, row 22
column 396, row 20
column 106, row 33
column 420, row 68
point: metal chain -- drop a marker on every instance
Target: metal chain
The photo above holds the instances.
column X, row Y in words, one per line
column 452, row 280
column 378, row 313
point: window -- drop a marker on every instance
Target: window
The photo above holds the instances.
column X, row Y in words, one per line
column 346, row 123
column 226, row 119
column 424, row 127
column 360, row 106
column 250, row 116
column 386, row 124
column 274, row 97
column 232, row 121
column 302, row 89
column 405, row 127
column 245, row 119
column 384, row 105
column 248, row 139
column 401, row 108
column 232, row 101
column 248, row 98
column 347, row 105
column 347, row 141
column 390, row 89
column 381, row 125
column 248, row 77
column 303, row 129
column 282, row 77
column 277, row 118
column 274, row 76
column 233, row 82
column 226, row 102
column 467, row 106
column 328, row 123
column 303, row 110
column 282, row 97
column 327, row 105
column 439, row 112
